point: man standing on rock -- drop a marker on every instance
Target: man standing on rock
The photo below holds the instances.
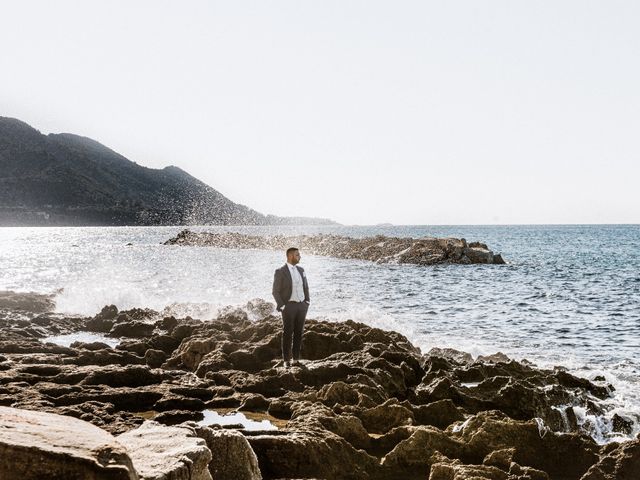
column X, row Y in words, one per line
column 291, row 292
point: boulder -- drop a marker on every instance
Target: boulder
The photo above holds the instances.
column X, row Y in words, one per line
column 134, row 328
column 192, row 351
column 161, row 452
column 38, row 445
column 154, row 358
column 311, row 454
column 233, row 458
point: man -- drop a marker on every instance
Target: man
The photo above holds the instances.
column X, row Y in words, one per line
column 291, row 292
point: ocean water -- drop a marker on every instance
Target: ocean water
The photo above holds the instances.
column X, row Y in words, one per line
column 569, row 295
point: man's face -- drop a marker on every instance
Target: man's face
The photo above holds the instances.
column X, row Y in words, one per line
column 294, row 258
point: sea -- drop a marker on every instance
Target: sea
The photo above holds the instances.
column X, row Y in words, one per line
column 568, row 296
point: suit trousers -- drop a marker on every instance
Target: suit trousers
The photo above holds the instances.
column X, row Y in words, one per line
column 293, row 317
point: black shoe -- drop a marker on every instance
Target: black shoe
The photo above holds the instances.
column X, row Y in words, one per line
column 296, row 363
column 287, row 364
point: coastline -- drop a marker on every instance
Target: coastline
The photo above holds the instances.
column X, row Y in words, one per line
column 366, row 398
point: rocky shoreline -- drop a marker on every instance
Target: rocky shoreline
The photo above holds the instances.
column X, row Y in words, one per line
column 366, row 404
column 379, row 249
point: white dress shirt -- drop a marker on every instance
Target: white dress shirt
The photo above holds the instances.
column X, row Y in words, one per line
column 297, row 286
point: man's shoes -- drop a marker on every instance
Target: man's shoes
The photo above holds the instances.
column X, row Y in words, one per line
column 287, row 364
column 296, row 363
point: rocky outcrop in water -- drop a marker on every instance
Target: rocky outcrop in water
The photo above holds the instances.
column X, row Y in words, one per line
column 366, row 404
column 380, row 249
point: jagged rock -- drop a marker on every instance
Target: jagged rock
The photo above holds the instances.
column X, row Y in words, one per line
column 108, row 312
column 192, row 351
column 138, row 347
column 363, row 395
column 441, row 414
column 534, row 447
column 311, row 454
column 161, row 452
column 622, row 424
column 103, row 321
column 500, row 458
column 497, row 357
column 384, row 417
column 154, row 358
column 620, row 462
column 38, row 445
column 233, row 458
column 456, row 470
column 165, row 343
column 451, row 354
column 168, row 323
column 99, row 325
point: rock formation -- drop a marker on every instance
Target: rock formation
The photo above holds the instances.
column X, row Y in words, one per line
column 366, row 404
column 36, row 445
column 174, row 453
column 380, row 249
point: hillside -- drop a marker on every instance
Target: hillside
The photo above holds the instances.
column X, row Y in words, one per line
column 65, row 179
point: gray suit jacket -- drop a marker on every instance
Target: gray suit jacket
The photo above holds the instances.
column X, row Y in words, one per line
column 283, row 285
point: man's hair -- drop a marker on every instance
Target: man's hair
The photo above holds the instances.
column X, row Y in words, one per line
column 292, row 249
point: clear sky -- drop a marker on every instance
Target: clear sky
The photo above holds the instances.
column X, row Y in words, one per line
column 408, row 112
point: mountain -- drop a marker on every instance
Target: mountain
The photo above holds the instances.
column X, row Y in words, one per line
column 65, row 179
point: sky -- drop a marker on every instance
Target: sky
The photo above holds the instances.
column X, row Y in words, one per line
column 365, row 112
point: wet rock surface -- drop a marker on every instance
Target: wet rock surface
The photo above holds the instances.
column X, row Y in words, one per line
column 365, row 404
column 380, row 249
